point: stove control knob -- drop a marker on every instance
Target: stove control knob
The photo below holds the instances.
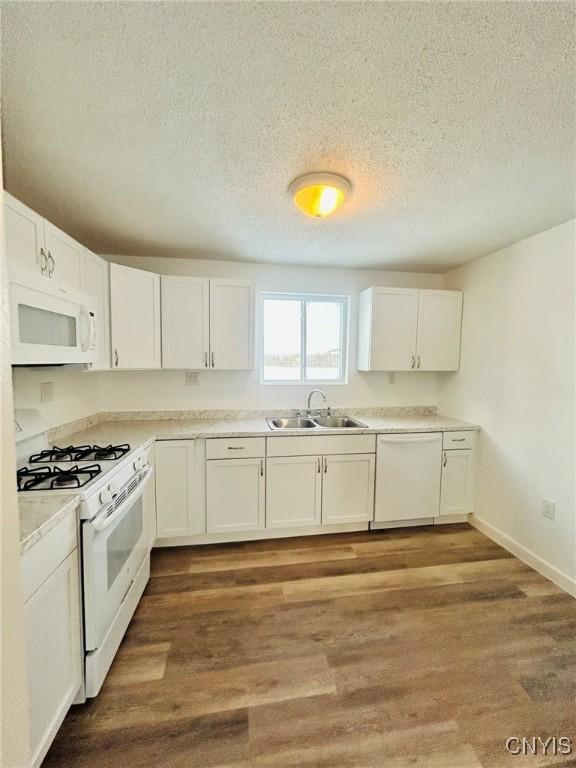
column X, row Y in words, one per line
column 105, row 496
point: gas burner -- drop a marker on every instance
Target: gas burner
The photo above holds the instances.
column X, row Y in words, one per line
column 53, row 478
column 81, row 453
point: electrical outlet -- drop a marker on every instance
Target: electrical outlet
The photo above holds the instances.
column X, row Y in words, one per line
column 548, row 509
column 46, row 391
column 191, row 378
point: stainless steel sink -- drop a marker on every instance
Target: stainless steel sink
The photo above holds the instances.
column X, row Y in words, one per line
column 295, row 422
column 325, row 422
column 338, row 422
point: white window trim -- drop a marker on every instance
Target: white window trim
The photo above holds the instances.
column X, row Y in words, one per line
column 343, row 299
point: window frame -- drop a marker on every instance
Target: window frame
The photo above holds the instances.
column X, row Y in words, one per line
column 303, row 298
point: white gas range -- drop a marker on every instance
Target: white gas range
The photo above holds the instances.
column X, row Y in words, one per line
column 117, row 528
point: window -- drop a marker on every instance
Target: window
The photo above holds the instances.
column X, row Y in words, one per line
column 303, row 338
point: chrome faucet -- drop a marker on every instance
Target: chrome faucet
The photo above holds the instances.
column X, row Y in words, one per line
column 319, row 392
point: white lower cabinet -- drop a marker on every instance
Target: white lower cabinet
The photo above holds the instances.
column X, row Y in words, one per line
column 457, row 482
column 54, row 643
column 175, row 488
column 293, row 491
column 408, row 476
column 235, row 495
column 347, row 488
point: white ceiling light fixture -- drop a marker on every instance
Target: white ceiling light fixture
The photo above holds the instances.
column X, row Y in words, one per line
column 319, row 194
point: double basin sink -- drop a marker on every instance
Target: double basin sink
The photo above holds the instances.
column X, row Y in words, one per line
column 323, row 422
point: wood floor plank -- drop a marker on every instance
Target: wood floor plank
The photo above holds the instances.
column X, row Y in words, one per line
column 411, row 647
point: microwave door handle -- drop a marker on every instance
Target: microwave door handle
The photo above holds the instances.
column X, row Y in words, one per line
column 92, row 320
column 87, row 330
column 83, row 329
column 100, row 524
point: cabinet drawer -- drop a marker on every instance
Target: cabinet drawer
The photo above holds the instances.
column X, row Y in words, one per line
column 320, row 445
column 44, row 557
column 457, row 440
column 235, row 447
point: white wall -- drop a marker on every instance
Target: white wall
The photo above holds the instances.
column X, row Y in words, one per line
column 165, row 390
column 517, row 381
column 75, row 392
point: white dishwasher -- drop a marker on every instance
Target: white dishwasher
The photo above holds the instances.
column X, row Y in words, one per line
column 408, row 470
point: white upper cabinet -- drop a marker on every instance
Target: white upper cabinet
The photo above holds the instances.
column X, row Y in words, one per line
column 207, row 323
column 96, row 281
column 24, row 238
column 36, row 246
column 439, row 325
column 404, row 329
column 231, row 324
column 64, row 256
column 387, row 327
column 135, row 317
column 185, row 322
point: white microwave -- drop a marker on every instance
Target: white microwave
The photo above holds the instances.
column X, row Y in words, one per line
column 52, row 329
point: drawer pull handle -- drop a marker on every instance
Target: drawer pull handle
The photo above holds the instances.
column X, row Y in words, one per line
column 458, row 439
column 235, row 447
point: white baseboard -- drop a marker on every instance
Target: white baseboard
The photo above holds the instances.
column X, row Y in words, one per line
column 450, row 519
column 384, row 524
column 266, row 533
column 527, row 556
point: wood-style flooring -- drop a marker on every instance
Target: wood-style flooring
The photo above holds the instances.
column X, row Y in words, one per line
column 413, row 648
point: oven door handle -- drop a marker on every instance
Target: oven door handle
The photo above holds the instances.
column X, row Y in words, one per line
column 100, row 524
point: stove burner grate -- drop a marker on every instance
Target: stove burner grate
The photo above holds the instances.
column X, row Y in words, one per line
column 52, row 478
column 81, row 453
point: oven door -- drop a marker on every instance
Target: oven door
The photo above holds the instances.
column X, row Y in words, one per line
column 113, row 549
column 50, row 329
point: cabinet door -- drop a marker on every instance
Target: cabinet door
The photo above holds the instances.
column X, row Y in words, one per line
column 235, row 495
column 135, row 317
column 394, row 319
column 347, row 488
column 408, row 476
column 53, row 638
column 439, row 326
column 231, row 325
column 293, row 491
column 96, row 281
column 174, row 465
column 457, row 483
column 24, row 238
column 65, row 257
column 185, row 322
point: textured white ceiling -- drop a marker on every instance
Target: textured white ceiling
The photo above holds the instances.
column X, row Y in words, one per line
column 174, row 128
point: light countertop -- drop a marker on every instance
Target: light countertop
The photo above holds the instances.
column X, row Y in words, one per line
column 139, row 431
column 39, row 513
